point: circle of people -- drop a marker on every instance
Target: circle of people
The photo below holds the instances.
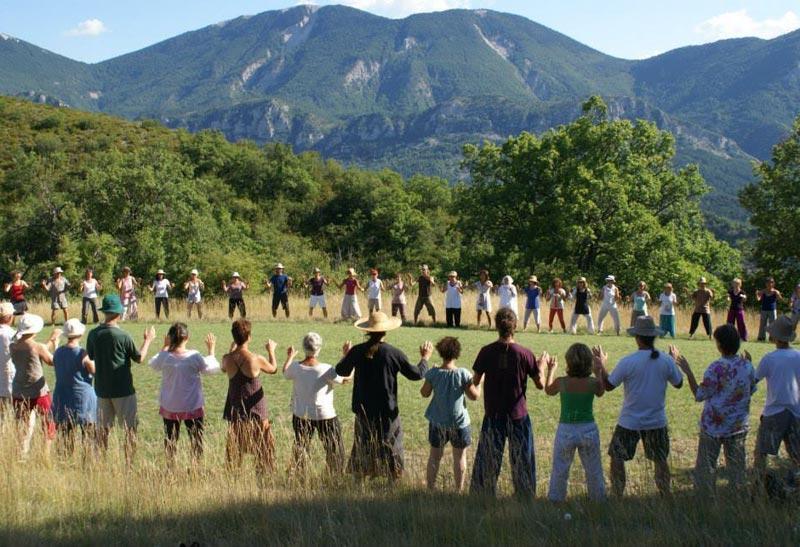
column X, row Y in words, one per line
column 557, row 296
column 94, row 390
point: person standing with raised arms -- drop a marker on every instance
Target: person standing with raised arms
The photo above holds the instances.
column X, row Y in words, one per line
column 425, row 282
column 483, row 304
column 194, row 288
column 317, row 284
column 399, row 290
column 350, row 284
column 113, row 351
column 235, row 291
column 127, row 285
column 280, row 283
column 16, row 293
column 453, row 290
column 374, row 291
column 57, row 286
column 610, row 297
column 533, row 295
column 769, row 298
column 645, row 375
column 90, row 289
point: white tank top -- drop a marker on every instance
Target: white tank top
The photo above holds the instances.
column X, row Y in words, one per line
column 452, row 298
column 90, row 288
column 610, row 296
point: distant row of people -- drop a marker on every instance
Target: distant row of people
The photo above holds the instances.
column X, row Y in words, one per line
column 95, row 386
column 556, row 296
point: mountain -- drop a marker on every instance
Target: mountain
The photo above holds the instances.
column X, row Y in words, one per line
column 409, row 93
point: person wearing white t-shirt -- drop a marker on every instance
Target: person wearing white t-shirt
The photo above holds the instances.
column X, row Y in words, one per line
column 453, row 290
column 194, row 288
column 508, row 293
column 780, row 419
column 161, row 287
column 484, row 302
column 374, row 290
column 609, row 296
column 668, row 300
column 645, row 374
column 7, row 369
column 90, row 288
column 312, row 404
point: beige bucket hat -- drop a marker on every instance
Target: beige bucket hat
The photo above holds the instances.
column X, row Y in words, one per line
column 645, row 326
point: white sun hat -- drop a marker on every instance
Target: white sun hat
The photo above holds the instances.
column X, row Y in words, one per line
column 29, row 324
column 73, row 328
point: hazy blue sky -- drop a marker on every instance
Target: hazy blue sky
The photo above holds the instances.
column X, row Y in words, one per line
column 93, row 30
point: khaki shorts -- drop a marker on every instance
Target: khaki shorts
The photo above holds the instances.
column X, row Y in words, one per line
column 123, row 409
column 59, row 302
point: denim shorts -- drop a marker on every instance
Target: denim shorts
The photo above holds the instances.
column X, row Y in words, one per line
column 459, row 437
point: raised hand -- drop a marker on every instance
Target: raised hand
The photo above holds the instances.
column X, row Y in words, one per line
column 674, row 352
column 599, row 357
column 346, row 347
column 426, row 350
column 271, row 346
column 149, row 334
column 211, row 342
column 544, row 360
column 291, row 353
column 552, row 363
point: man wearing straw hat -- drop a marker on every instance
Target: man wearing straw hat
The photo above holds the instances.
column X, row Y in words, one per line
column 645, row 374
column 609, row 297
column 57, row 286
column 780, row 419
column 113, row 350
column 280, row 283
column 378, row 436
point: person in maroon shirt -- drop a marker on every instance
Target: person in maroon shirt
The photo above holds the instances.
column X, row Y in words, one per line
column 506, row 367
column 317, row 285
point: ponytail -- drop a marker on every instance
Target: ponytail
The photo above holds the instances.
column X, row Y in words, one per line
column 649, row 343
column 375, row 341
column 177, row 334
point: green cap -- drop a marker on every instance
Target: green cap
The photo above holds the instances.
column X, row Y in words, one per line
column 112, row 304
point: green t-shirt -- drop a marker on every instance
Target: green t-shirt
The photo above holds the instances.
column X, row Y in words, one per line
column 576, row 408
column 112, row 350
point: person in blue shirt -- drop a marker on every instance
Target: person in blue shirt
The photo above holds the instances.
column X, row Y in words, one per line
column 533, row 292
column 280, row 283
column 448, row 418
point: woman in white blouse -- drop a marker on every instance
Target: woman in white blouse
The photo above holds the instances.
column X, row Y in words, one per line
column 181, row 387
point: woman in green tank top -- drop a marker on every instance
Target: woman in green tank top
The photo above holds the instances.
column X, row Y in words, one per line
column 577, row 429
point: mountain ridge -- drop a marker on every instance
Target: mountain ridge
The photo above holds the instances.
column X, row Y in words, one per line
column 407, row 93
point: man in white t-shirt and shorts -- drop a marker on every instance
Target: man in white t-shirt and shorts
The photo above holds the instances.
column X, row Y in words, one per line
column 780, row 419
column 645, row 374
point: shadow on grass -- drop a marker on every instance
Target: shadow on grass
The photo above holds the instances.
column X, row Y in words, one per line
column 410, row 517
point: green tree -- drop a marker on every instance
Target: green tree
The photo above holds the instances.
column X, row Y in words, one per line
column 592, row 197
column 774, row 205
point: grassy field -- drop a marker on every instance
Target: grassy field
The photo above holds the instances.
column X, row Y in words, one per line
column 89, row 499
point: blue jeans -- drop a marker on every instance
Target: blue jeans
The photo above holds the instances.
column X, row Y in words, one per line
column 489, row 456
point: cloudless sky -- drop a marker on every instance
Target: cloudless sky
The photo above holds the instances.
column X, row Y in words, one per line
column 94, row 30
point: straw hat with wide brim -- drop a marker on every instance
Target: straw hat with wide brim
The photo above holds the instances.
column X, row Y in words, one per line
column 378, row 322
column 610, row 278
column 533, row 279
column 783, row 329
column 279, row 266
column 702, row 281
column 236, row 275
column 645, row 326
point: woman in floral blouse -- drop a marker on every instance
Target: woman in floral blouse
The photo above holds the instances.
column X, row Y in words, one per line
column 727, row 386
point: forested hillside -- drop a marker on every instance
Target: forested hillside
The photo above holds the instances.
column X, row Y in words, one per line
column 86, row 189
column 407, row 94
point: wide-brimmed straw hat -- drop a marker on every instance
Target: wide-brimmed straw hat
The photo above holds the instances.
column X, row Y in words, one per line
column 533, row 279
column 279, row 266
column 702, row 281
column 317, row 270
column 29, row 324
column 351, row 271
column 73, row 328
column 783, row 329
column 236, row 274
column 645, row 326
column 378, row 322
column 610, row 278
column 160, row 272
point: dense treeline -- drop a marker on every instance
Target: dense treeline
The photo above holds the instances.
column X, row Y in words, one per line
column 592, row 197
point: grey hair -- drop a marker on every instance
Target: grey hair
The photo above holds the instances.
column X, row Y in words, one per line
column 312, row 344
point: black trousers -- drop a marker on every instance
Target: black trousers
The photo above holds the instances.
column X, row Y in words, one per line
column 85, row 305
column 162, row 301
column 330, row 433
column 234, row 303
column 453, row 316
column 172, row 430
column 696, row 316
